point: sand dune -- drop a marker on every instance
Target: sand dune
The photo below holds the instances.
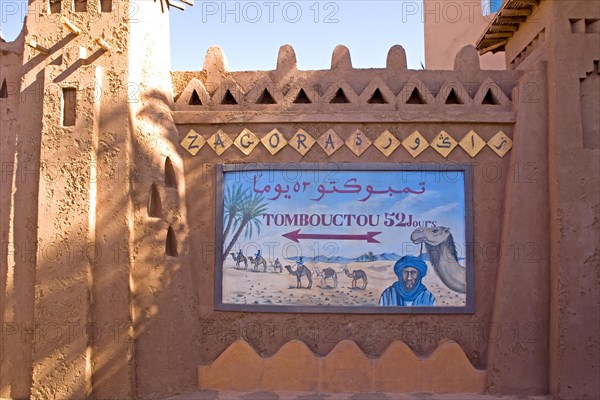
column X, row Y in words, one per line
column 248, row 287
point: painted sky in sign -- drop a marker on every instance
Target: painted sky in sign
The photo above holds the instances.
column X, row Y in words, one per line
column 443, row 201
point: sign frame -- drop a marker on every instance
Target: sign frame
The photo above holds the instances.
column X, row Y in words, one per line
column 466, row 169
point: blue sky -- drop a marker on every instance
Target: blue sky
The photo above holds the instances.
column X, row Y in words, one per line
column 251, row 32
column 441, row 201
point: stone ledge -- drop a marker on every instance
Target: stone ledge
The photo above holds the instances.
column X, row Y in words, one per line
column 285, row 395
column 427, row 115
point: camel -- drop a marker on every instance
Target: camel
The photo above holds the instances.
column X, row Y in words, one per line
column 356, row 275
column 258, row 261
column 277, row 266
column 327, row 273
column 299, row 273
column 240, row 259
column 442, row 253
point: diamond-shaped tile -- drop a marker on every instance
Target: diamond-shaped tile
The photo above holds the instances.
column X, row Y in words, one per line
column 220, row 142
column 358, row 142
column 472, row 143
column 192, row 142
column 330, row 142
column 443, row 143
column 246, row 141
column 302, row 141
column 415, row 143
column 386, row 143
column 274, row 141
column 500, row 143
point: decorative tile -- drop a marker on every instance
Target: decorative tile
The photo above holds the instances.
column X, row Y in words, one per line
column 330, row 142
column 415, row 143
column 472, row 143
column 274, row 141
column 302, row 141
column 444, row 143
column 358, row 142
column 220, row 142
column 500, row 143
column 192, row 142
column 246, row 141
column 386, row 143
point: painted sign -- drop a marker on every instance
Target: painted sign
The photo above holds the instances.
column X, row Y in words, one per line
column 368, row 238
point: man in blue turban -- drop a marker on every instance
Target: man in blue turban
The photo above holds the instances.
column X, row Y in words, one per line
column 408, row 290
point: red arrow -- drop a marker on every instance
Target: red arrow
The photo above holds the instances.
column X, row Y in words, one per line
column 296, row 236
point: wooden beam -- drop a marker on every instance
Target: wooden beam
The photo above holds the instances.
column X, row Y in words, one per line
column 527, row 2
column 504, row 28
column 102, row 43
column 495, row 46
column 71, row 26
column 36, row 46
column 173, row 3
column 509, row 20
column 188, row 2
column 499, row 35
column 516, row 12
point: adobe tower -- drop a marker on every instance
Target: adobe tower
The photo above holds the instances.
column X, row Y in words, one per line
column 85, row 122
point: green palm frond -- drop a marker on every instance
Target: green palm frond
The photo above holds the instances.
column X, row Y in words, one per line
column 234, row 201
column 251, row 207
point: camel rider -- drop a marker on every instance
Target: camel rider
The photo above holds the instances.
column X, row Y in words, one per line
column 408, row 290
column 240, row 254
column 257, row 257
column 300, row 263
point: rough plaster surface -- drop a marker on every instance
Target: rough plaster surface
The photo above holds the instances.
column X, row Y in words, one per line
column 92, row 307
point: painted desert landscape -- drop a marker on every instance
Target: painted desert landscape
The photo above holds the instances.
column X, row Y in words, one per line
column 279, row 288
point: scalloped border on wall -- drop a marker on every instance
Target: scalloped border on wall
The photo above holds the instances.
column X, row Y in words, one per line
column 345, row 369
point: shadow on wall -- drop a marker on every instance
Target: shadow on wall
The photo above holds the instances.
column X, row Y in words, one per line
column 110, row 314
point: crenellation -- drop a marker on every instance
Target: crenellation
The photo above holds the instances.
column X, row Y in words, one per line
column 286, row 62
column 215, row 64
column 323, row 89
column 467, row 61
column 396, row 60
column 340, row 60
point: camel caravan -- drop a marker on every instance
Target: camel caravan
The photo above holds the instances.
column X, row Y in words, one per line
column 328, row 276
column 257, row 262
column 438, row 242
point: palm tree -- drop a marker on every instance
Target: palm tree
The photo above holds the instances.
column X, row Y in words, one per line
column 233, row 200
column 251, row 208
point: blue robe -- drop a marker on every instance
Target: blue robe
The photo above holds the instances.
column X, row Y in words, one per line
column 391, row 297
